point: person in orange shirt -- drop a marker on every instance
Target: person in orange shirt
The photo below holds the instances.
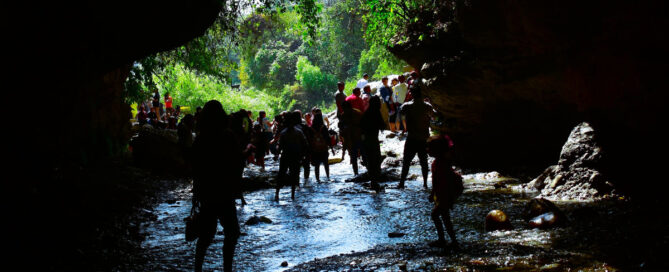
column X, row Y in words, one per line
column 168, row 105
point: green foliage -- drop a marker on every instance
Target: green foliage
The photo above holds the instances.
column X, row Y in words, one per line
column 317, row 85
column 191, row 89
column 378, row 62
column 390, row 22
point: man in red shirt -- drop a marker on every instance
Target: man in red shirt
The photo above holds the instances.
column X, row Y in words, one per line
column 356, row 100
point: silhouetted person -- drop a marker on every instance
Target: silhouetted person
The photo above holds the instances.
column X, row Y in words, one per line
column 350, row 129
column 292, row 146
column 418, row 114
column 370, row 124
column 306, row 160
column 217, row 172
column 446, row 187
column 319, row 146
column 340, row 97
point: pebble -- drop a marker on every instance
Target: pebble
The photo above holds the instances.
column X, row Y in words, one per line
column 284, row 264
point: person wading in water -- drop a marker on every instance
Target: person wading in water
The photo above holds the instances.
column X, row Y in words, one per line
column 217, row 172
column 418, row 115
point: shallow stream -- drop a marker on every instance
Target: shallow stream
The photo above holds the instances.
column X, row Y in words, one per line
column 335, row 217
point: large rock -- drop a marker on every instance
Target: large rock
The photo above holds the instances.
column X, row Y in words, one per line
column 158, row 149
column 511, row 78
column 578, row 172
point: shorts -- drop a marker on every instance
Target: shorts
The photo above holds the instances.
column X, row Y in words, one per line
column 319, row 157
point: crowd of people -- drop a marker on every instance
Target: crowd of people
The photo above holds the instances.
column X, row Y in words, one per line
column 224, row 144
column 157, row 114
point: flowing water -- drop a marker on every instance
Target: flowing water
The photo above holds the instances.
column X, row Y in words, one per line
column 335, row 217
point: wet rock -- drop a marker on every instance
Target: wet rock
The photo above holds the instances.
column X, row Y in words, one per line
column 386, row 175
column 158, row 149
column 543, row 214
column 284, row 264
column 497, row 220
column 391, row 154
column 544, row 221
column 254, row 220
column 395, row 234
column 577, row 174
column 539, row 206
column 391, row 135
column 392, row 163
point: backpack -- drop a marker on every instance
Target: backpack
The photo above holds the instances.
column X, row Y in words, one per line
column 456, row 187
column 318, row 143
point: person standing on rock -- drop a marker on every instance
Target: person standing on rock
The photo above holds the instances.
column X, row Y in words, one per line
column 362, row 82
column 366, row 95
column 340, row 97
column 169, row 110
column 371, row 123
column 356, row 101
column 217, row 172
column 446, row 187
column 292, row 146
column 156, row 103
column 399, row 94
column 386, row 94
column 418, row 115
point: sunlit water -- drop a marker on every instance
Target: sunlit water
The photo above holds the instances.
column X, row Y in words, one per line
column 334, row 217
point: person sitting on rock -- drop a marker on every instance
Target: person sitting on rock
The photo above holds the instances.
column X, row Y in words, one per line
column 446, row 187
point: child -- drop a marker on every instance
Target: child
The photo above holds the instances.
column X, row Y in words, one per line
column 446, row 187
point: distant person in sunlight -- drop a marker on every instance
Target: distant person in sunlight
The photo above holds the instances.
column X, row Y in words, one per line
column 356, row 101
column 168, row 104
column 217, row 172
column 397, row 120
column 156, row 103
column 362, row 82
column 387, row 104
column 446, row 187
column 418, row 115
column 340, row 97
column 366, row 95
column 292, row 147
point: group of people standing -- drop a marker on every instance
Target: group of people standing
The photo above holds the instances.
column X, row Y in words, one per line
column 399, row 106
column 157, row 114
column 225, row 144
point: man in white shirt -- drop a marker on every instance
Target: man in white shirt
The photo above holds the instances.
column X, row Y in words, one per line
column 362, row 82
column 399, row 94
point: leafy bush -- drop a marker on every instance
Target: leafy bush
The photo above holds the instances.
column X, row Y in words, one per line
column 317, row 85
column 190, row 89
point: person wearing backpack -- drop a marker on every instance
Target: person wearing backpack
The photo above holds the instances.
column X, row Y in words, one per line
column 446, row 187
column 319, row 145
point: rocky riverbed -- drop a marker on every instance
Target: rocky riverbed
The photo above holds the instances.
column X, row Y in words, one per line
column 335, row 225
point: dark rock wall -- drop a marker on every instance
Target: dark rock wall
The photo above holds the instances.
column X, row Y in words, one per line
column 512, row 78
column 70, row 60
